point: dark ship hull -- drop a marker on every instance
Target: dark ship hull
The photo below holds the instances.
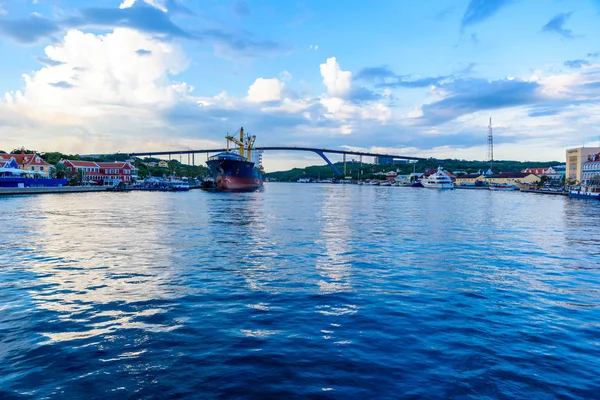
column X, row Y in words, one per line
column 234, row 174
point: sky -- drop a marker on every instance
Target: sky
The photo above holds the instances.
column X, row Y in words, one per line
column 415, row 78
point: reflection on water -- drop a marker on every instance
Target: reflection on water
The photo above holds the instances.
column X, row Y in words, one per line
column 334, row 264
column 299, row 291
column 115, row 261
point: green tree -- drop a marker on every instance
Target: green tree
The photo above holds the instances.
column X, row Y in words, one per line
column 53, row 157
column 76, row 179
column 59, row 171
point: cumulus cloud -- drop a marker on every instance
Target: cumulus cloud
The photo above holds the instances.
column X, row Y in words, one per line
column 341, row 95
column 114, row 90
column 127, row 100
column 265, row 90
column 335, row 80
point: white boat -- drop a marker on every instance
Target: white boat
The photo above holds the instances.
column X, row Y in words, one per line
column 502, row 186
column 439, row 180
column 386, row 183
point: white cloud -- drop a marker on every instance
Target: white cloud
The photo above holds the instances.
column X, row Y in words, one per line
column 336, row 81
column 290, row 106
column 101, row 92
column 160, row 4
column 339, row 86
column 264, row 90
column 314, row 47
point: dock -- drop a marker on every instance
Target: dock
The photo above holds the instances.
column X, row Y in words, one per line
column 546, row 191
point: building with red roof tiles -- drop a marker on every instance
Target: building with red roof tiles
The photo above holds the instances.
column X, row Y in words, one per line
column 29, row 162
column 549, row 172
column 117, row 171
column 89, row 169
column 103, row 173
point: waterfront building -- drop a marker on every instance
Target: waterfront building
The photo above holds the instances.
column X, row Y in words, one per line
column 590, row 169
column 90, row 170
column 9, row 163
column 103, row 173
column 561, row 170
column 512, row 178
column 113, row 172
column 549, row 172
column 469, row 179
column 29, row 162
column 575, row 159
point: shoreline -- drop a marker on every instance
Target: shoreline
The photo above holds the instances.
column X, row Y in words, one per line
column 43, row 190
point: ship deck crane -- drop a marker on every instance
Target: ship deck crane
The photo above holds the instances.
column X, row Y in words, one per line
column 245, row 143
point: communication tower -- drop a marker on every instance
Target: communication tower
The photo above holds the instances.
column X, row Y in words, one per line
column 490, row 145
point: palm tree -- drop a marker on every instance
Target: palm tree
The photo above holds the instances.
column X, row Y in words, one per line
column 76, row 179
column 59, row 171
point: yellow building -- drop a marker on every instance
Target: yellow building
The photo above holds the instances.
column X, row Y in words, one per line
column 469, row 179
column 575, row 159
column 30, row 162
column 163, row 164
column 513, row 178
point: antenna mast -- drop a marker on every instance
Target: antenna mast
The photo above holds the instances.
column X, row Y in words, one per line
column 490, row 145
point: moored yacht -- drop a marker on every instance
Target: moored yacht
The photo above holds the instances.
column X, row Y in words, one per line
column 439, row 180
column 590, row 190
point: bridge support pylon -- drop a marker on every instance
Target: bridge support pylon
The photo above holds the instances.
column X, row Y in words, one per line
column 329, row 162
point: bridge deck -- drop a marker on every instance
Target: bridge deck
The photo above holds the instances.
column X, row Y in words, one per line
column 278, row 148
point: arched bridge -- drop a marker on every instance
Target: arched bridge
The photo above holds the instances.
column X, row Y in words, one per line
column 320, row 152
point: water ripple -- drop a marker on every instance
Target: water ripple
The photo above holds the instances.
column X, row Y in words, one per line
column 299, row 291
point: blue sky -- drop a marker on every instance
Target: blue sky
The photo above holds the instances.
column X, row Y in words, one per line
column 409, row 77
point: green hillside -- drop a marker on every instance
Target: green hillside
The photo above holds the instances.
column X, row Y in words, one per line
column 366, row 171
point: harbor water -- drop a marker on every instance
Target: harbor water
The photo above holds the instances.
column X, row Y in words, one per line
column 300, row 291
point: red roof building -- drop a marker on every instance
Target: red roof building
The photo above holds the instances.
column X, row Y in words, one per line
column 549, row 172
column 90, row 170
column 29, row 162
column 113, row 172
column 103, row 173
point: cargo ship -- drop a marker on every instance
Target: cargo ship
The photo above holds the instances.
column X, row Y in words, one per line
column 234, row 170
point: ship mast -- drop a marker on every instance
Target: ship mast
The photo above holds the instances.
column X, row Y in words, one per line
column 241, row 144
